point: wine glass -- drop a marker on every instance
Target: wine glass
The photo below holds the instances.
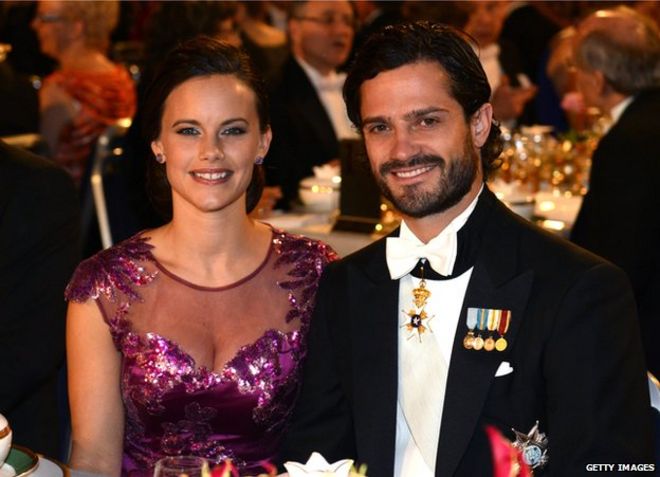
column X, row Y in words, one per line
column 176, row 466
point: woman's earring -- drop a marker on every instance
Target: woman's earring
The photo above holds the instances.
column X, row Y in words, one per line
column 259, row 160
column 160, row 158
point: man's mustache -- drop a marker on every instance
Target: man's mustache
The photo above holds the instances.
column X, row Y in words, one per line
column 415, row 161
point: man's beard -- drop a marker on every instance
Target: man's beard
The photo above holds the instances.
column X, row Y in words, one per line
column 455, row 182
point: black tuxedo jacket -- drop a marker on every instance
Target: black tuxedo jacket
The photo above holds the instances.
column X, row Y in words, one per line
column 620, row 215
column 574, row 348
column 303, row 135
column 512, row 66
column 38, row 251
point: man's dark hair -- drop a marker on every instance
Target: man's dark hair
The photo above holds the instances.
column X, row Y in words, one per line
column 398, row 45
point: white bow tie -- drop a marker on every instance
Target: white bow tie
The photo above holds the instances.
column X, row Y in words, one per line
column 403, row 254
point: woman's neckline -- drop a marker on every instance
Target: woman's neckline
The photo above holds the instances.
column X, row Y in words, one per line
column 235, row 284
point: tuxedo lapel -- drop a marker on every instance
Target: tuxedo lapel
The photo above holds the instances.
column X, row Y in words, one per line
column 308, row 108
column 495, row 284
column 374, row 306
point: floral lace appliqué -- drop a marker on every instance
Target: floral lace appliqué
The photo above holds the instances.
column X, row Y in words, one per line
column 116, row 269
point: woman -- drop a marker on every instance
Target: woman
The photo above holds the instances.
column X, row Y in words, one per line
column 184, row 21
column 88, row 92
column 207, row 315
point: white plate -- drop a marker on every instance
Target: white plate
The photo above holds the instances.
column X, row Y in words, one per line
column 47, row 468
column 7, row 470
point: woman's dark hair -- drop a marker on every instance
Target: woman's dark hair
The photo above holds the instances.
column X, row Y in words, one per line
column 402, row 44
column 201, row 56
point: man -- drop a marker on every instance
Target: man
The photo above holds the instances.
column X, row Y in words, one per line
column 517, row 329
column 618, row 70
column 308, row 114
column 512, row 88
column 39, row 248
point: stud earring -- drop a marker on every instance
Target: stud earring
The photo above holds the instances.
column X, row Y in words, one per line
column 160, row 158
column 259, row 160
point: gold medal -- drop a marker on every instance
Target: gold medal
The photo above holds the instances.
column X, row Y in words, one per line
column 415, row 323
column 468, row 341
column 489, row 344
column 501, row 344
column 478, row 343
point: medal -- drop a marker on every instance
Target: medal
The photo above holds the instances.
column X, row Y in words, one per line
column 482, row 320
column 502, row 328
column 478, row 343
column 416, row 322
column 533, row 446
column 468, row 341
column 493, row 322
column 500, row 344
column 415, row 316
column 489, row 344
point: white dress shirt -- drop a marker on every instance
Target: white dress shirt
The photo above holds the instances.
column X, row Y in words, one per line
column 444, row 304
column 329, row 90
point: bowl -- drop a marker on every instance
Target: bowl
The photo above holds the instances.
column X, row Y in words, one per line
column 320, row 194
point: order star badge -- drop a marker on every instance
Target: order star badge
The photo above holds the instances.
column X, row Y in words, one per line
column 533, row 446
column 415, row 323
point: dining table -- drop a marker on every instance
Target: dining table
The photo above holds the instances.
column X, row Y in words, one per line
column 551, row 209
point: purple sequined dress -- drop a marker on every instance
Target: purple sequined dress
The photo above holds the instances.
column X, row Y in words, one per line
column 205, row 371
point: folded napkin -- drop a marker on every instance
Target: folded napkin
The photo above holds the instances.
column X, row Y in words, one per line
column 317, row 466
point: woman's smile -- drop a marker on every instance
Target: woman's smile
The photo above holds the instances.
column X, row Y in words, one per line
column 211, row 176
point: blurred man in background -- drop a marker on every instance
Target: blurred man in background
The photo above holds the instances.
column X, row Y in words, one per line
column 308, row 113
column 617, row 54
column 512, row 88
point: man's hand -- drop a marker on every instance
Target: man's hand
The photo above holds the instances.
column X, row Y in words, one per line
column 508, row 102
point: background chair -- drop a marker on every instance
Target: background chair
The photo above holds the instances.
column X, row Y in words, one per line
column 104, row 189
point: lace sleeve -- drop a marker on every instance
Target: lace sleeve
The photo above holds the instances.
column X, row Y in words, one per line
column 118, row 269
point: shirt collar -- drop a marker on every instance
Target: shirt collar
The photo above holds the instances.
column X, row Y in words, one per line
column 317, row 78
column 617, row 111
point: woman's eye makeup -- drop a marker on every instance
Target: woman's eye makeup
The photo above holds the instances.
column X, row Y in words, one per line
column 187, row 131
column 234, row 131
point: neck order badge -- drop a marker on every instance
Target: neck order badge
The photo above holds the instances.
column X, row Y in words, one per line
column 415, row 317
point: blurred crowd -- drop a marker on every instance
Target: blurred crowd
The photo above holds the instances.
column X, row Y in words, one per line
column 72, row 69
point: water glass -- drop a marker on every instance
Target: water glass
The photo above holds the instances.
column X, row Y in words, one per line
column 175, row 466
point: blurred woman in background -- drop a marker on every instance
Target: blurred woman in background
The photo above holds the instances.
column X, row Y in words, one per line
column 87, row 92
